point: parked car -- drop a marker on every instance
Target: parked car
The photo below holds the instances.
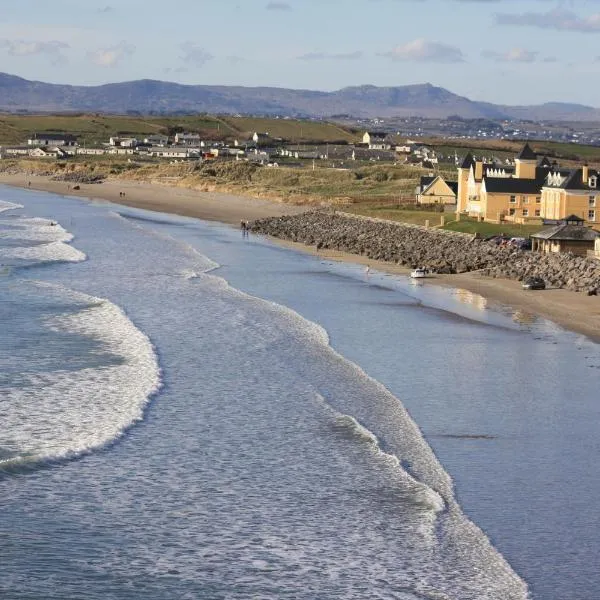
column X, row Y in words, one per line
column 521, row 243
column 534, row 283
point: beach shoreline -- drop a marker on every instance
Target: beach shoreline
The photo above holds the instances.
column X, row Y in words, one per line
column 571, row 310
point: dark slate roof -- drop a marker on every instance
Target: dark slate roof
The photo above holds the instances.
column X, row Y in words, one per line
column 468, row 162
column 527, row 153
column 426, row 181
column 514, row 185
column 511, row 185
column 567, row 233
column 574, row 179
column 544, row 162
column 377, row 134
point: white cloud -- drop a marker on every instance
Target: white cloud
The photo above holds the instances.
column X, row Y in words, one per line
column 422, row 50
column 111, row 56
column 557, row 19
column 51, row 49
column 195, row 55
column 513, row 55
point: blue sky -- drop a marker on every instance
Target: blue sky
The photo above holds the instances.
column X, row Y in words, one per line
column 503, row 51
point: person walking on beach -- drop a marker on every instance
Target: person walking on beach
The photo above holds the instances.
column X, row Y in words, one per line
column 244, row 228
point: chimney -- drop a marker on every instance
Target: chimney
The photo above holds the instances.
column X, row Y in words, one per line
column 585, row 176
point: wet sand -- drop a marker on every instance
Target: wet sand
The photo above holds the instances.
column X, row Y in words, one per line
column 571, row 310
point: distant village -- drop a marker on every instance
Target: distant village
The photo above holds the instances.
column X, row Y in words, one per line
column 260, row 147
column 528, row 190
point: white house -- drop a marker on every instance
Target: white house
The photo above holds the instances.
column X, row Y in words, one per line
column 156, row 140
column 187, row 139
column 91, row 151
column 260, row 138
column 52, row 139
column 376, row 140
column 173, row 152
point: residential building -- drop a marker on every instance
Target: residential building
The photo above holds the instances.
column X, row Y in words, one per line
column 570, row 235
column 498, row 192
column 187, row 139
column 376, row 140
column 119, row 142
column 261, row 139
column 156, row 140
column 435, row 190
column 52, row 139
column 173, row 152
column 572, row 192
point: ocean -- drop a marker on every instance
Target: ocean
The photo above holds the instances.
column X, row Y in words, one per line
column 189, row 413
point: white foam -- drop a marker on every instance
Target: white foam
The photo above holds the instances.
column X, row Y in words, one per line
column 63, row 413
column 421, row 493
column 4, row 205
column 52, row 241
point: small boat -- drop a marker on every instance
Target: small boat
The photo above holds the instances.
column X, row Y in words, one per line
column 419, row 273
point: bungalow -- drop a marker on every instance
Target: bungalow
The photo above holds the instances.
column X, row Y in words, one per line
column 434, row 190
column 52, row 139
column 173, row 152
column 373, row 155
column 91, row 151
column 570, row 235
column 6, row 151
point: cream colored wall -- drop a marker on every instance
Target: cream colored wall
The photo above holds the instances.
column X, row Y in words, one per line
column 494, row 206
column 558, row 204
column 438, row 193
column 525, row 169
column 463, row 191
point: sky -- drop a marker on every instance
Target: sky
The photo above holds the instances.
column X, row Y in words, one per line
column 501, row 51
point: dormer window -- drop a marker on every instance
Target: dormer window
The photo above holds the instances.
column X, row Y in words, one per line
column 593, row 181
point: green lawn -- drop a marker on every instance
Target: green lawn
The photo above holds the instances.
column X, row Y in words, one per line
column 468, row 225
column 395, row 213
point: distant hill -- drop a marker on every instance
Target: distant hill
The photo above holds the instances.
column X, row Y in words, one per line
column 148, row 96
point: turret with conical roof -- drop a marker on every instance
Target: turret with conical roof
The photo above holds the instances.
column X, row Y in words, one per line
column 463, row 182
column 525, row 163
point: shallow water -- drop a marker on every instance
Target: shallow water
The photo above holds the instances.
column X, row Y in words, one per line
column 225, row 402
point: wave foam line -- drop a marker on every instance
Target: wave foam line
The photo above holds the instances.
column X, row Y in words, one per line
column 64, row 414
column 4, row 206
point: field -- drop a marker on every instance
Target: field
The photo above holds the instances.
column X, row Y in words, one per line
column 93, row 130
column 563, row 152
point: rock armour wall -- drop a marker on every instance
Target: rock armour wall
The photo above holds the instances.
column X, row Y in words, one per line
column 438, row 250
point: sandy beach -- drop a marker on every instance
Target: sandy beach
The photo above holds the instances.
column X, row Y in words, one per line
column 209, row 206
column 571, row 310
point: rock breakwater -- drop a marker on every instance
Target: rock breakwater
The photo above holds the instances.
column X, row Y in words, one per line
column 441, row 251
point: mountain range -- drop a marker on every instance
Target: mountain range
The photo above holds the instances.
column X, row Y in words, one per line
column 148, row 96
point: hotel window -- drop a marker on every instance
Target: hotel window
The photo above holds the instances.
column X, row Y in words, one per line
column 538, row 212
column 538, row 199
column 513, row 199
column 592, row 201
column 591, row 215
column 525, row 212
column 511, row 211
column 525, row 199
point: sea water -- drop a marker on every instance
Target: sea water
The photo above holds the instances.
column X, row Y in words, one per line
column 189, row 413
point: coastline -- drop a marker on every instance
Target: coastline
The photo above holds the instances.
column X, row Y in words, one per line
column 571, row 310
column 208, row 206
